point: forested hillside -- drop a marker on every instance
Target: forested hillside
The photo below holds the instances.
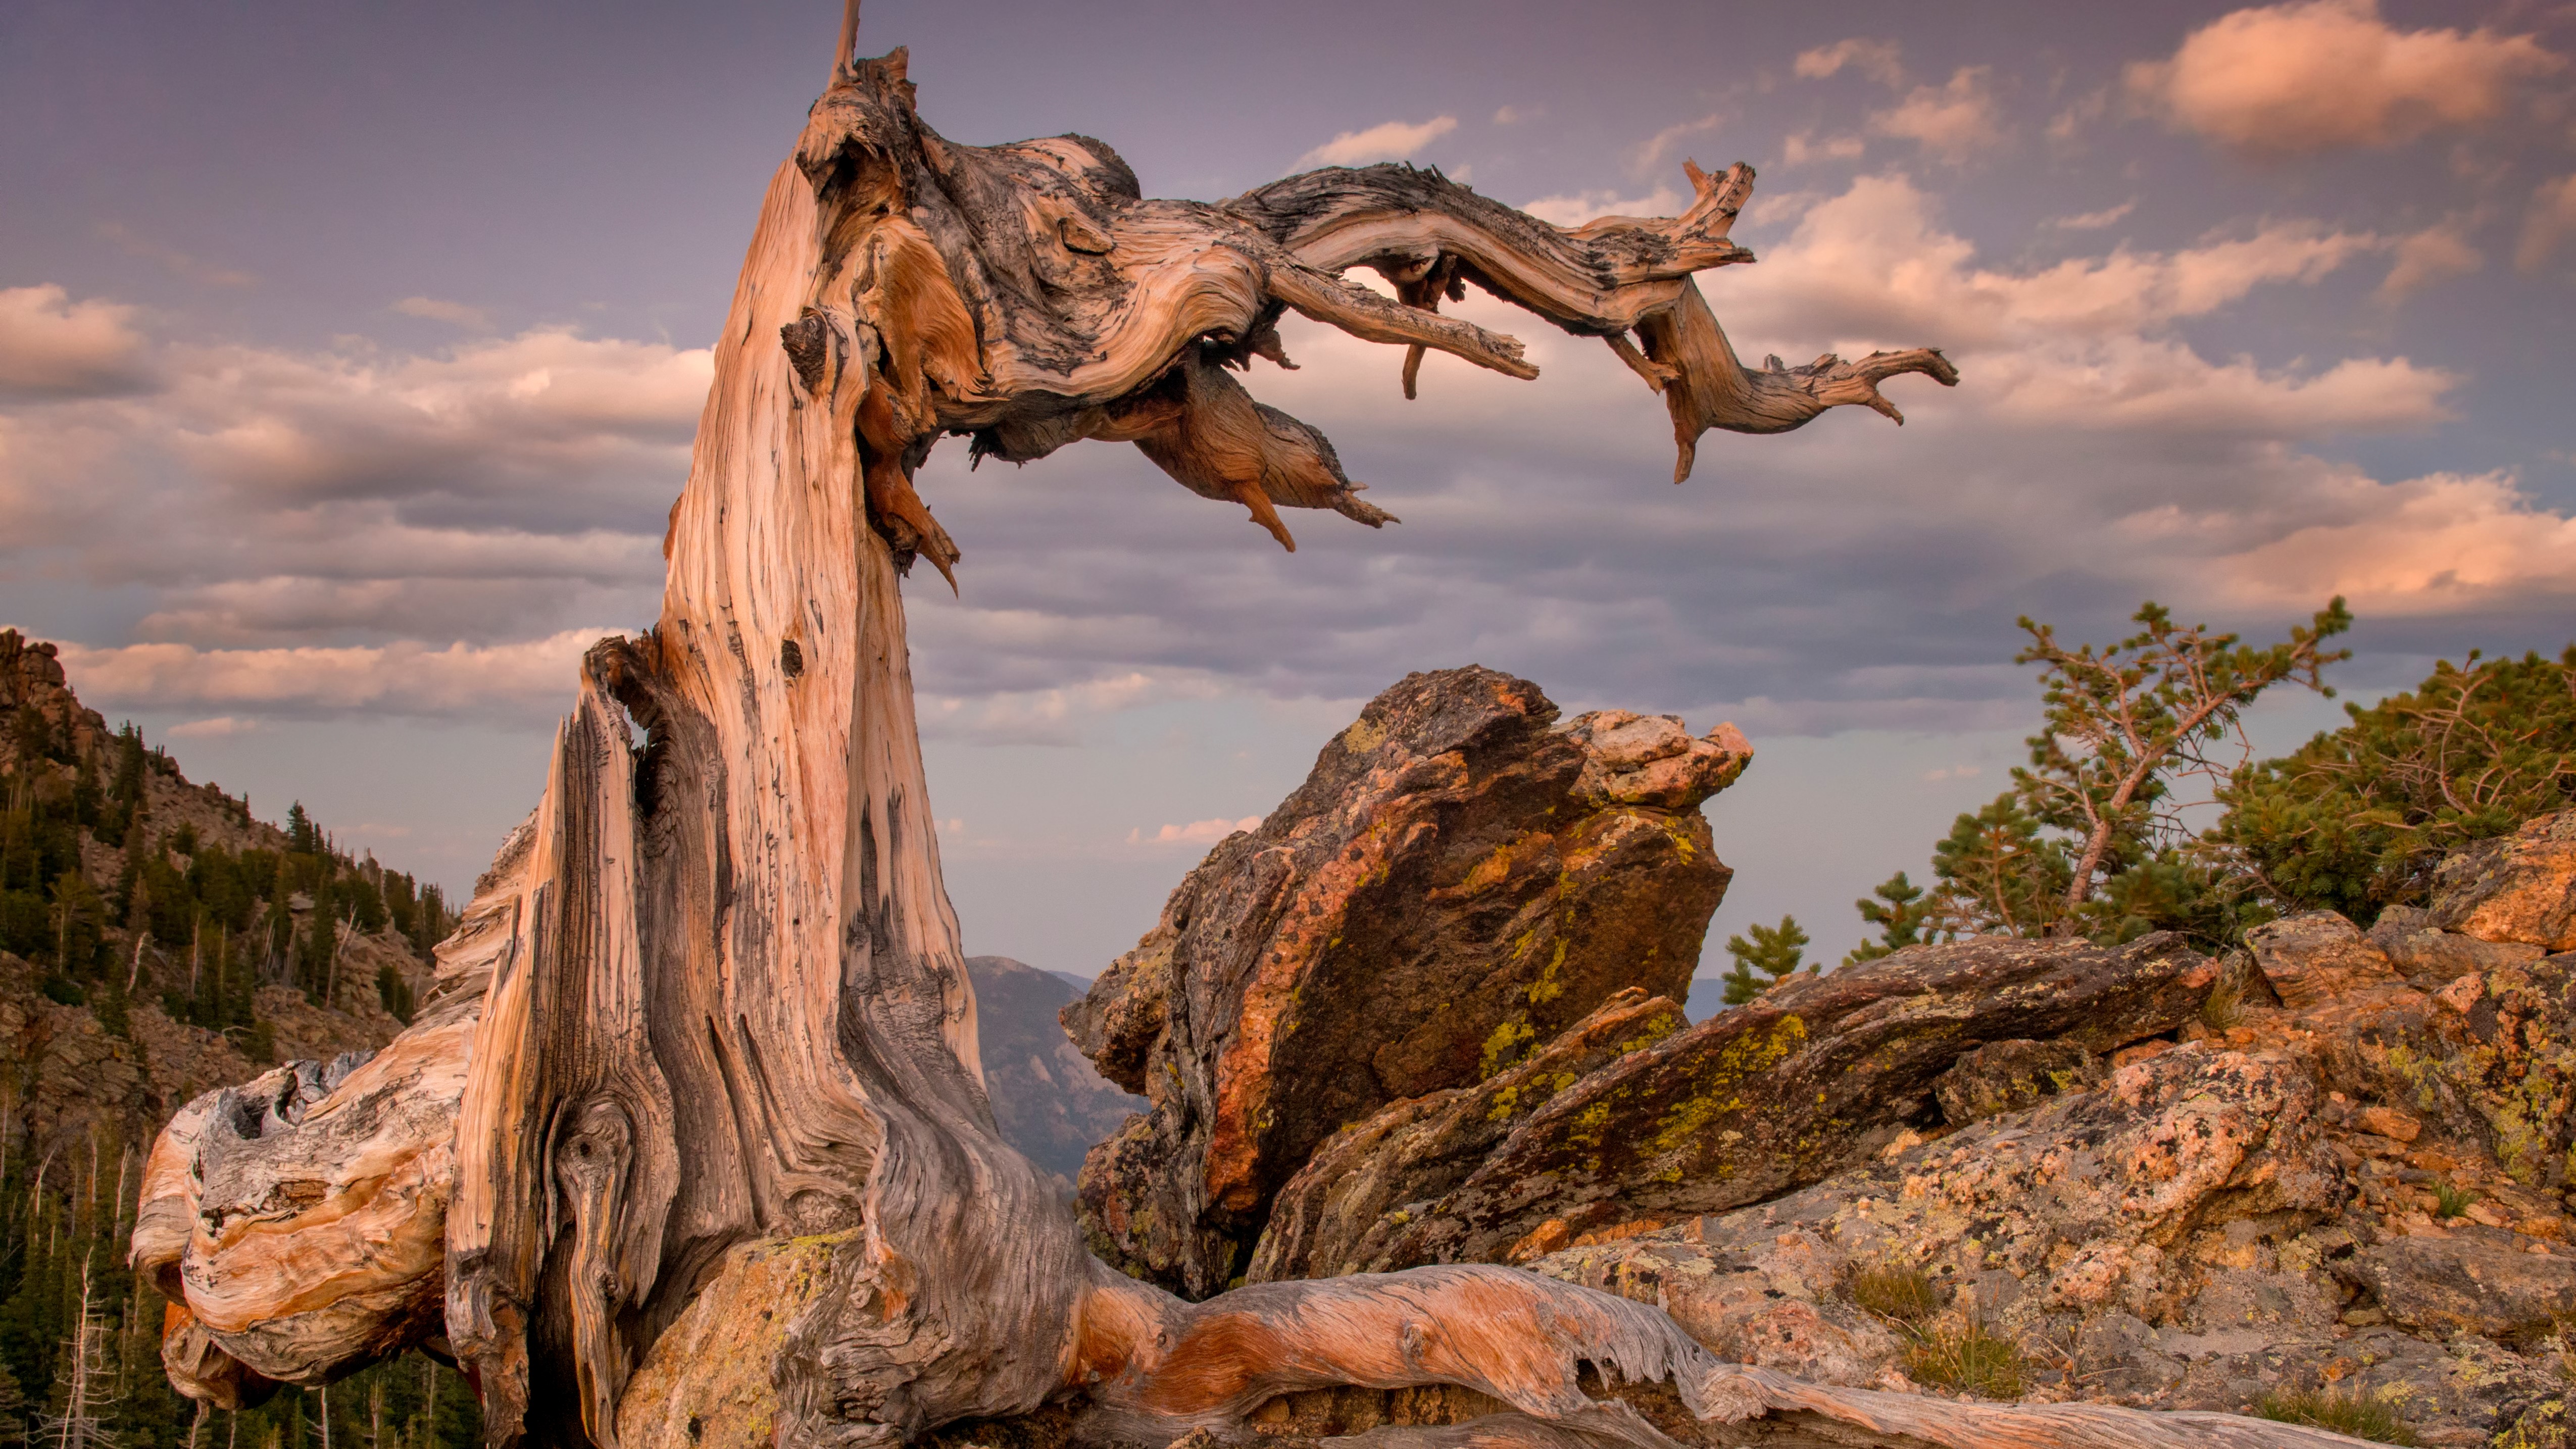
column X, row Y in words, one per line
column 159, row 940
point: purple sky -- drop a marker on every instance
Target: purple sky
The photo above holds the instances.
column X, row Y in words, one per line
column 348, row 361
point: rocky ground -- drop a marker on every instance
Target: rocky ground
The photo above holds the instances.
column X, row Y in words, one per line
column 2336, row 1163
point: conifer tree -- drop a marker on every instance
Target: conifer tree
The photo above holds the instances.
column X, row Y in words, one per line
column 1900, row 911
column 1774, row 952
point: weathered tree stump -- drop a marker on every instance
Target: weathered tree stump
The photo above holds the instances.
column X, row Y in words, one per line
column 711, row 995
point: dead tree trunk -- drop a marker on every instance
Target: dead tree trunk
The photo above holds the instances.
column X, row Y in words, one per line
column 711, row 994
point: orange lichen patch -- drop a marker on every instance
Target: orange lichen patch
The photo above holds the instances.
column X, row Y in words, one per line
column 1617, row 1231
column 1540, row 1241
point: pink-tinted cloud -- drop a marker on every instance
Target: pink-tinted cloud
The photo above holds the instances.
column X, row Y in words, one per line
column 2289, row 80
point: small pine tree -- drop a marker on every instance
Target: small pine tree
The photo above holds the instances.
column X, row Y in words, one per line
column 1999, row 875
column 394, row 992
column 1774, row 951
column 1901, row 911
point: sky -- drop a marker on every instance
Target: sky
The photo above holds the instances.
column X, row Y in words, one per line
column 349, row 358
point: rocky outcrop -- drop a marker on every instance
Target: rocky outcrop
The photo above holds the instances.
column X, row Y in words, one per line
column 2430, row 957
column 2315, row 957
column 2516, row 888
column 2363, row 1196
column 1813, row 1076
column 2042, row 1217
column 1457, row 883
column 2007, row 1076
column 32, row 680
column 1362, row 1186
column 1050, row 1103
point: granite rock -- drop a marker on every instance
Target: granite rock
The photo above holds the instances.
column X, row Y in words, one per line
column 1457, row 883
column 2515, row 888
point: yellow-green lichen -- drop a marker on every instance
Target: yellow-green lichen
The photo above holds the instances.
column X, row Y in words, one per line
column 1720, row 1082
column 1503, row 1047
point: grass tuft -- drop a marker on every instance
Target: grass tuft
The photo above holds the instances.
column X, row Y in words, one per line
column 1967, row 1357
column 1904, row 1294
column 2450, row 1200
column 2362, row 1418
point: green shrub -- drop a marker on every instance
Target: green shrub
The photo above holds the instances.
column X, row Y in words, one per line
column 2451, row 1200
column 2355, row 819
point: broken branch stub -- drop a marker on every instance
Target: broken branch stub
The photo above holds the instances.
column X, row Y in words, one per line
column 708, row 1014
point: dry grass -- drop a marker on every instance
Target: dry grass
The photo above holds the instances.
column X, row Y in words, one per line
column 1906, row 1295
column 2362, row 1418
column 1968, row 1357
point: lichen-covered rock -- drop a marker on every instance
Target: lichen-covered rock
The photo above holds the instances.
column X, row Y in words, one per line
column 1363, row 1183
column 1456, row 883
column 2499, row 1054
column 2315, row 957
column 2430, row 958
column 1050, row 1103
column 2475, row 1280
column 2075, row 1209
column 1812, row 1077
column 707, row 1382
column 2006, row 1076
column 2519, row 887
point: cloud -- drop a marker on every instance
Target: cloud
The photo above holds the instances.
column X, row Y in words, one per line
column 2444, row 543
column 481, row 418
column 472, row 318
column 1954, row 772
column 219, row 727
column 1874, row 256
column 532, row 677
column 342, row 531
column 2435, row 254
column 1799, row 149
column 1197, row 832
column 2552, row 220
column 2094, row 220
column 53, row 346
column 178, row 262
column 2294, row 79
column 1514, row 115
column 1047, row 715
column 1876, row 59
column 1385, row 141
column 1663, row 142
column 1579, row 207
column 1953, row 121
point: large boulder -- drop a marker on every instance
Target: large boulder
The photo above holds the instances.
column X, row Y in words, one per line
column 1816, row 1074
column 1457, row 882
column 1360, row 1186
column 2518, row 887
column 1048, row 1100
column 2316, row 956
column 2476, row 1280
